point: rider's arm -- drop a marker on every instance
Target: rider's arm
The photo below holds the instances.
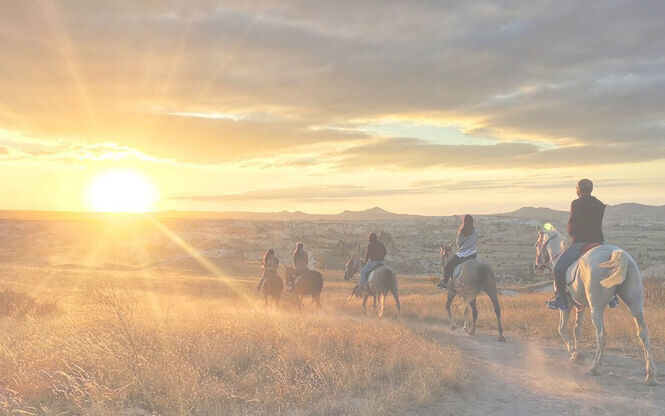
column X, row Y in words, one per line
column 574, row 220
column 367, row 253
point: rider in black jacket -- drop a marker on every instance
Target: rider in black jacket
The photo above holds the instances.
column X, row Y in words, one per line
column 585, row 226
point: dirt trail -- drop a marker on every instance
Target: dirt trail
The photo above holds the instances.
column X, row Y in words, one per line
column 529, row 378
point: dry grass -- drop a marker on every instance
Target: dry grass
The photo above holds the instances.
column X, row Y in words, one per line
column 156, row 344
column 527, row 317
column 18, row 304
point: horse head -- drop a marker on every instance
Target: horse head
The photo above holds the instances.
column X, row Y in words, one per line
column 447, row 251
column 350, row 268
column 289, row 274
column 545, row 249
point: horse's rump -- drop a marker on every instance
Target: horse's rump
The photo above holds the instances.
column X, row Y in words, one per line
column 474, row 277
column 310, row 283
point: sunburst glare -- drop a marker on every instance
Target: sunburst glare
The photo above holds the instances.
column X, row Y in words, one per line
column 121, row 191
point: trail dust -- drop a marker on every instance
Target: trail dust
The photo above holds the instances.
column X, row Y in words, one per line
column 530, row 378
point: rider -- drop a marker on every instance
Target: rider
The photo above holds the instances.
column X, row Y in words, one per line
column 467, row 236
column 375, row 257
column 269, row 267
column 300, row 261
column 585, row 226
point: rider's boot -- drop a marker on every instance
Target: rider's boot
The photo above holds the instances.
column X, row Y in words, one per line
column 614, row 302
column 559, row 302
column 443, row 284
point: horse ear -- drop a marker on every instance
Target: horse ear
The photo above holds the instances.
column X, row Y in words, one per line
column 538, row 228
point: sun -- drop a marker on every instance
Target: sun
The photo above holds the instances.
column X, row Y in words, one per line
column 121, row 191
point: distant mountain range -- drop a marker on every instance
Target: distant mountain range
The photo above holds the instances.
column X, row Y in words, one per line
column 615, row 212
column 627, row 211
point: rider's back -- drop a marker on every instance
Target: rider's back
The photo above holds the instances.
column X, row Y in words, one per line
column 376, row 251
column 586, row 220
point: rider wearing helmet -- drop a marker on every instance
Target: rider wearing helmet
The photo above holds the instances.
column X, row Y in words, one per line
column 375, row 256
column 585, row 226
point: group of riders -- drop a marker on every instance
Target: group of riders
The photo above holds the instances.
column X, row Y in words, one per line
column 584, row 228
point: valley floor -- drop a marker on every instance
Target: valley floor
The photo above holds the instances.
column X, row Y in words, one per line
column 163, row 341
column 522, row 377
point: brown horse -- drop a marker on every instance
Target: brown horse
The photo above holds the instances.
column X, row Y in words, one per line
column 272, row 288
column 308, row 284
column 475, row 276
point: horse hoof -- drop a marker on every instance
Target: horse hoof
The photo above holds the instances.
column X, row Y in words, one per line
column 576, row 357
column 501, row 338
column 594, row 372
column 651, row 381
column 471, row 333
column 453, row 327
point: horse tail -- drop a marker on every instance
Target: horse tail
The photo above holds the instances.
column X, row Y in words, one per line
column 469, row 288
column 618, row 265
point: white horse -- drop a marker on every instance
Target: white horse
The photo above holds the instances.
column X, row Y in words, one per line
column 596, row 277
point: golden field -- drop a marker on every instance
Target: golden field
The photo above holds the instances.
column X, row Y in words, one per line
column 160, row 341
column 99, row 342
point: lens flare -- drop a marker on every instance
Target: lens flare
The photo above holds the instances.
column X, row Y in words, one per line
column 121, row 191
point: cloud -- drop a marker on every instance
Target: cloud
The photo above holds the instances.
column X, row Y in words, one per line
column 118, row 71
column 417, row 154
column 302, row 193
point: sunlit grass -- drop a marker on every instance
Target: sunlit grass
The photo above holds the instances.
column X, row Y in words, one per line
column 205, row 350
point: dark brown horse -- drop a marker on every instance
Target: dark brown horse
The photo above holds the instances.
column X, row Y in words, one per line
column 272, row 288
column 308, row 284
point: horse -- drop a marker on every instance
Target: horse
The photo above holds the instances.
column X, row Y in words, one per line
column 309, row 284
column 383, row 282
column 475, row 276
column 599, row 273
column 272, row 288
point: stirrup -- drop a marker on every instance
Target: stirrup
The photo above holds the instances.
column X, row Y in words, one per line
column 555, row 304
column 614, row 302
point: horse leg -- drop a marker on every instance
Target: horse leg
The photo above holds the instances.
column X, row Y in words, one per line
column 365, row 296
column 497, row 311
column 318, row 301
column 396, row 297
column 374, row 301
column 382, row 300
column 449, row 301
column 643, row 334
column 563, row 328
column 577, row 334
column 597, row 313
column 474, row 314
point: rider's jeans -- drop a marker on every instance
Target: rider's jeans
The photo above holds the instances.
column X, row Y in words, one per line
column 568, row 257
column 369, row 267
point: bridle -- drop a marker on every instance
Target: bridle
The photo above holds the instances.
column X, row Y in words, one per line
column 543, row 263
column 351, row 268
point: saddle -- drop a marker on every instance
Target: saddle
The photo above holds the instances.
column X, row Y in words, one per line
column 573, row 271
column 458, row 269
column 299, row 273
column 370, row 277
column 588, row 247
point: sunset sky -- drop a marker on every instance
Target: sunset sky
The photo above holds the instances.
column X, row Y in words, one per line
column 430, row 107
